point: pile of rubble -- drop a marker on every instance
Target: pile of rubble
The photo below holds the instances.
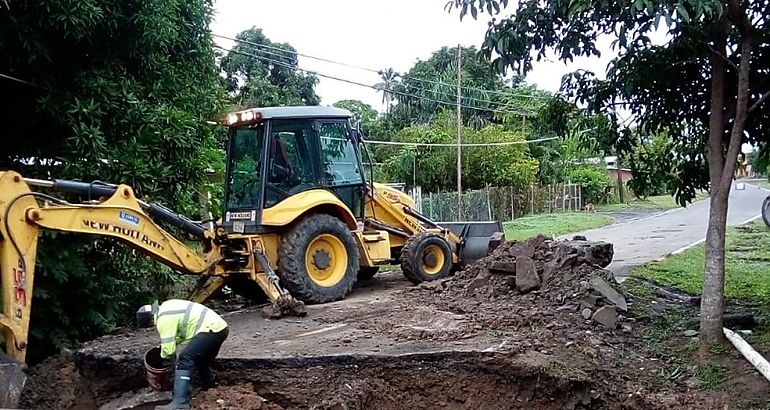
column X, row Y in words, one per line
column 535, row 282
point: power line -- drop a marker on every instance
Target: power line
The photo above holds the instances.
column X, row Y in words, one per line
column 428, row 144
column 371, row 86
column 277, row 55
column 378, row 72
column 296, row 53
column 475, row 89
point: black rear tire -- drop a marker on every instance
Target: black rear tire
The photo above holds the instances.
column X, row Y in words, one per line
column 294, row 268
column 766, row 211
column 426, row 257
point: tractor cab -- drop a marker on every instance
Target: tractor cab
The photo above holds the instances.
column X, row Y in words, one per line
column 280, row 152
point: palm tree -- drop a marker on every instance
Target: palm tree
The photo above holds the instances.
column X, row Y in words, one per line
column 386, row 86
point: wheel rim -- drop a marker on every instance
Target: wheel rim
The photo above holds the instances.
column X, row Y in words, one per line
column 326, row 260
column 432, row 259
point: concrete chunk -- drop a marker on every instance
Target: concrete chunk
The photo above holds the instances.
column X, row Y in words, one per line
column 612, row 295
column 526, row 275
column 607, row 317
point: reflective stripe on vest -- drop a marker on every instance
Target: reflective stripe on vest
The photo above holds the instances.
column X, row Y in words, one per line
column 184, row 319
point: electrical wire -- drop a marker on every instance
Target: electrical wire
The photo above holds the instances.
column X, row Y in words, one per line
column 296, row 53
column 371, row 70
column 488, row 144
column 374, row 87
column 452, row 104
column 422, row 80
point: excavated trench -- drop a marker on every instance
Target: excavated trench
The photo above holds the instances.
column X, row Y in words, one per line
column 451, row 380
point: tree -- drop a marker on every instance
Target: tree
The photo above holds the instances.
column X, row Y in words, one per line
column 120, row 92
column 651, row 161
column 386, row 87
column 361, row 111
column 259, row 75
column 434, row 168
column 700, row 84
column 430, row 87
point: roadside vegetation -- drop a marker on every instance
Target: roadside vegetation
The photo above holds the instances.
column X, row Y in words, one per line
column 657, row 202
column 671, row 329
column 554, row 224
column 747, row 267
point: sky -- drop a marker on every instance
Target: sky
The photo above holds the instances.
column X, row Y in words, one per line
column 373, row 34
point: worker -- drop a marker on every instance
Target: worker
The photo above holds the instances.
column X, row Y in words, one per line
column 178, row 321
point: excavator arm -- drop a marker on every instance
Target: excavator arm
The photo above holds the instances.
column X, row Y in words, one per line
column 111, row 211
column 120, row 216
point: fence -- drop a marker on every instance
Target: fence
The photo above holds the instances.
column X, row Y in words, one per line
column 499, row 203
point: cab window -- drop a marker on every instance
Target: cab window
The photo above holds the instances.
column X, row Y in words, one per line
column 338, row 157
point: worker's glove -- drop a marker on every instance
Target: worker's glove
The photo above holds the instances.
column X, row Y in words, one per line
column 169, row 361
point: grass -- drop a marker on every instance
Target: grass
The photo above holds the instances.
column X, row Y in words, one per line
column 554, row 224
column 747, row 290
column 747, row 266
column 711, row 376
column 660, row 202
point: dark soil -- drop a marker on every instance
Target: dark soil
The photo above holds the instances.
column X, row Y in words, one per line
column 447, row 381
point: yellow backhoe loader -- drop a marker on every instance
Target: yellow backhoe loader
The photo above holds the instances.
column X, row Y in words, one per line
column 300, row 222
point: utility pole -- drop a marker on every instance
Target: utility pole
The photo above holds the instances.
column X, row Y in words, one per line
column 459, row 138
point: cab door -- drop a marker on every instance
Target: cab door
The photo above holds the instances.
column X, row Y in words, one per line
column 340, row 168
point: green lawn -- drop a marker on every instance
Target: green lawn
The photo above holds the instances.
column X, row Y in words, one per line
column 747, row 290
column 553, row 224
column 747, row 266
column 661, row 202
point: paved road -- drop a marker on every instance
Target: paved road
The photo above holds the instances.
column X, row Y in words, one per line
column 647, row 239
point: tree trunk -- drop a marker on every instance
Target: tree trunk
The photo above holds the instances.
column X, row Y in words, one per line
column 712, row 302
column 721, row 170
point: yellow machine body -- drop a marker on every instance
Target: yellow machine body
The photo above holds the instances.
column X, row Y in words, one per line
column 254, row 240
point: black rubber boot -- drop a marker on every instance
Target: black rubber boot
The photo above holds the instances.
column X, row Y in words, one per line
column 182, row 392
column 208, row 378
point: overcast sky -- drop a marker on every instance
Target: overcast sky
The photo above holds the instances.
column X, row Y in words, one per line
column 376, row 34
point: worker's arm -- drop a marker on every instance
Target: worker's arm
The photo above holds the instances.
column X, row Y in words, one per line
column 167, row 326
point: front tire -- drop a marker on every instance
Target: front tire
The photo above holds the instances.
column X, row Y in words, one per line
column 318, row 259
column 426, row 257
column 766, row 211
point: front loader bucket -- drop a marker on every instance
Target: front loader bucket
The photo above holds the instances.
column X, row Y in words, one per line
column 477, row 237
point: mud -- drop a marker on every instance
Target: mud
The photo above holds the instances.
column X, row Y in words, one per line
column 451, row 381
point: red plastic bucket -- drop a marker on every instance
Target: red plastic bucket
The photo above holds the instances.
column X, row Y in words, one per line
column 159, row 374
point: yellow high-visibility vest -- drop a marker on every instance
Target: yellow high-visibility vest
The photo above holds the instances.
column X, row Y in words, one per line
column 179, row 320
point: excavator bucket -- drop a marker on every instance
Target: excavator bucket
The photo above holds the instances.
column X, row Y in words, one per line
column 479, row 238
column 12, row 380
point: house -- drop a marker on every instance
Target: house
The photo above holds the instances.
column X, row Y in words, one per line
column 615, row 173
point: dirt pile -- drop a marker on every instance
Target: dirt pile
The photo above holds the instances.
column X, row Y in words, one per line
column 535, row 284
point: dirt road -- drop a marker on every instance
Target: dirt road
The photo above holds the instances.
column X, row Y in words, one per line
column 641, row 241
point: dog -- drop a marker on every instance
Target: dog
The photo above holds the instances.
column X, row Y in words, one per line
column 589, row 207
